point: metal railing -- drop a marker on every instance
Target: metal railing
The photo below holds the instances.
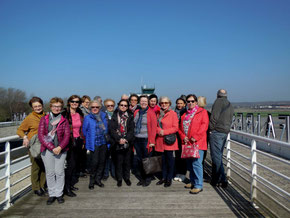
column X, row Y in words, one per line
column 8, row 172
column 259, row 186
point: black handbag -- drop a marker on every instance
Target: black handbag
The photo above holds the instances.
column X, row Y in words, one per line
column 152, row 164
column 170, row 139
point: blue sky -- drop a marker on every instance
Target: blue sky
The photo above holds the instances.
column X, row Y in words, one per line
column 64, row 47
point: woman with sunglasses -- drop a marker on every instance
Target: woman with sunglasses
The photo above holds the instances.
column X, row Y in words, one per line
column 167, row 124
column 75, row 117
column 95, row 129
column 27, row 130
column 192, row 129
column 54, row 135
column 122, row 135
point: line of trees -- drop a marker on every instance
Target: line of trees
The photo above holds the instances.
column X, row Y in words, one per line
column 12, row 101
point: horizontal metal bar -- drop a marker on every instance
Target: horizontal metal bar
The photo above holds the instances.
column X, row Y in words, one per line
column 3, row 152
column 241, row 155
column 19, row 148
column 274, row 157
column 236, row 162
column 269, row 184
column 20, row 180
column 3, row 165
column 9, row 138
column 3, row 189
column 261, row 139
column 3, row 177
column 19, row 159
column 16, row 193
column 2, row 202
column 241, row 144
column 238, row 174
column 273, row 171
column 16, row 171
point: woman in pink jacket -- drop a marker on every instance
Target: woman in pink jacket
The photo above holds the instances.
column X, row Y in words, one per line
column 192, row 129
column 167, row 124
column 54, row 135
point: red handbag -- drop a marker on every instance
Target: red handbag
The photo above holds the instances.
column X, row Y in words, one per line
column 190, row 151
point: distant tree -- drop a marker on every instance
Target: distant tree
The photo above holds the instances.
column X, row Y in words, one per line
column 12, row 101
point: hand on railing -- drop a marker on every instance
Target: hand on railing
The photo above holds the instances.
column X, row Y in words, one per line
column 25, row 141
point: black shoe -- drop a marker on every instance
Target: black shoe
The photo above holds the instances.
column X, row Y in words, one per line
column 146, row 183
column 45, row 190
column 60, row 200
column 224, row 184
column 139, row 183
column 128, row 182
column 73, row 188
column 119, row 183
column 105, row 178
column 69, row 193
column 91, row 186
column 39, row 192
column 214, row 184
column 167, row 183
column 160, row 182
column 50, row 200
column 100, row 184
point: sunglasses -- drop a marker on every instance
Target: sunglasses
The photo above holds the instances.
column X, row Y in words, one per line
column 95, row 107
column 164, row 102
column 192, row 101
column 109, row 105
column 75, row 102
column 123, row 105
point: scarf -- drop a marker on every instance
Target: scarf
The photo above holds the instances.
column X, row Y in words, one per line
column 52, row 128
column 178, row 112
column 190, row 112
column 139, row 121
column 122, row 119
column 100, row 121
column 162, row 114
column 110, row 114
column 133, row 108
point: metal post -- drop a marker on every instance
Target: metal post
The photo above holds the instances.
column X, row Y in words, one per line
column 228, row 156
column 259, row 124
column 288, row 129
column 7, row 173
column 254, row 171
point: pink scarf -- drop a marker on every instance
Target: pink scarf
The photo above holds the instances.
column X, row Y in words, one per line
column 190, row 112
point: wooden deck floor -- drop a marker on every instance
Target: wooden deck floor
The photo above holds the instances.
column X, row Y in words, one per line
column 134, row 201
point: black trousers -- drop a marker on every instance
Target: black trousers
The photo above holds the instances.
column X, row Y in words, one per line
column 123, row 164
column 72, row 161
column 180, row 163
column 97, row 162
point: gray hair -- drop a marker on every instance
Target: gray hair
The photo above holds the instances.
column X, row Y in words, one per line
column 95, row 101
column 165, row 97
column 222, row 93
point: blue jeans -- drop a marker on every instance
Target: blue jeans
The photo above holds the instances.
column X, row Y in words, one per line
column 140, row 146
column 217, row 142
column 196, row 170
column 167, row 165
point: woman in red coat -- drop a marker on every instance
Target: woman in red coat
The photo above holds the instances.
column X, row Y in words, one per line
column 167, row 124
column 192, row 129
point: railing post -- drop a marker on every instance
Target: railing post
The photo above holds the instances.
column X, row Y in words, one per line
column 254, row 171
column 228, row 156
column 7, row 174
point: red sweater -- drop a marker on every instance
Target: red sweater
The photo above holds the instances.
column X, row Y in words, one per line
column 197, row 128
column 169, row 125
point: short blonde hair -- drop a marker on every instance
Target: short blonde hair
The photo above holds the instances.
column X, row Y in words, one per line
column 95, row 101
column 165, row 97
column 109, row 99
column 201, row 101
column 55, row 100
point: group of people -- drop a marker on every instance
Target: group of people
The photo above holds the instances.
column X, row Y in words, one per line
column 111, row 135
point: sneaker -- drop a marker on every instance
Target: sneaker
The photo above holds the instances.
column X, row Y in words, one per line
column 188, row 186
column 195, row 190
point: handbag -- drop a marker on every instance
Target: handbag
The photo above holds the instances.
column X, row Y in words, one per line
column 152, row 164
column 170, row 139
column 190, row 151
column 34, row 146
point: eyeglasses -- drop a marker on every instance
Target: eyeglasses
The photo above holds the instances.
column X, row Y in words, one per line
column 110, row 105
column 192, row 101
column 123, row 105
column 56, row 106
column 95, row 107
column 38, row 106
column 133, row 100
column 164, row 102
column 75, row 102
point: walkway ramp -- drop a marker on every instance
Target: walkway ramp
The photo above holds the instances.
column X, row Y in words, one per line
column 134, row 201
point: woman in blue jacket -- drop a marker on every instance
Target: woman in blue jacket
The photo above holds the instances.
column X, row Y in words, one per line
column 95, row 129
